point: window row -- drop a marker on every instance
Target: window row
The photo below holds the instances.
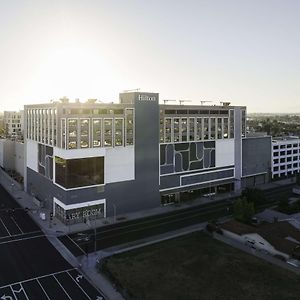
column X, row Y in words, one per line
column 41, row 125
column 284, row 146
column 97, row 132
column 286, row 152
column 286, row 159
column 286, row 167
column 195, row 129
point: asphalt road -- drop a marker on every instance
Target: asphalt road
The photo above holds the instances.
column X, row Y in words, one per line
column 128, row 231
column 30, row 267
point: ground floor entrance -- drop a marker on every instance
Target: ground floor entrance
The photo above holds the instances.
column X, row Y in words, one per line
column 170, row 198
column 79, row 212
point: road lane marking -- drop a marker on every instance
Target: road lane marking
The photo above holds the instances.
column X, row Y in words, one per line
column 62, row 287
column 18, row 291
column 22, row 239
column 4, row 297
column 79, row 286
column 42, row 288
column 21, row 234
column 39, row 277
column 5, row 227
column 16, row 224
column 77, row 245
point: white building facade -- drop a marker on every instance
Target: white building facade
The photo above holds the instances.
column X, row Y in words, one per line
column 285, row 156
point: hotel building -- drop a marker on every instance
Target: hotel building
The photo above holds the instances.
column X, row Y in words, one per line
column 96, row 159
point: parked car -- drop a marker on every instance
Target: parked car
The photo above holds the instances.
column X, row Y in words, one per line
column 81, row 237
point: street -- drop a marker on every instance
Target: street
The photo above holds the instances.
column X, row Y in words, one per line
column 31, row 268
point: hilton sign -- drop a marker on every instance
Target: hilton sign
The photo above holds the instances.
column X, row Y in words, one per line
column 147, row 98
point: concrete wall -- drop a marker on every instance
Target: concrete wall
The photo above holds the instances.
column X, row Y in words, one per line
column 12, row 155
column 19, row 158
column 256, row 162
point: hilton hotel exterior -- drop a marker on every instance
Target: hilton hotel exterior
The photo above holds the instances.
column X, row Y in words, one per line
column 95, row 159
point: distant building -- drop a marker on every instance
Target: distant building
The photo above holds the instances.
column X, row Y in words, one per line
column 14, row 124
column 12, row 156
column 285, row 156
column 98, row 159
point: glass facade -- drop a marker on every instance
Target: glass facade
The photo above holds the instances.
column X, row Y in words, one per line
column 97, row 133
column 74, row 173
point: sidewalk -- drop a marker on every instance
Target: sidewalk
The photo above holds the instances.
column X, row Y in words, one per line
column 57, row 228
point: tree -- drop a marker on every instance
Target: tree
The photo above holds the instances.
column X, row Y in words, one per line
column 243, row 210
column 298, row 179
column 255, row 196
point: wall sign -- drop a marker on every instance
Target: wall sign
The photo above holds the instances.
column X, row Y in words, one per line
column 146, row 98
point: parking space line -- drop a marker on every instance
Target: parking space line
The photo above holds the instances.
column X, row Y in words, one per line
column 21, row 234
column 62, row 287
column 79, row 286
column 19, row 291
column 16, row 224
column 21, row 239
column 77, row 245
column 24, row 291
column 5, row 227
column 42, row 288
column 39, row 277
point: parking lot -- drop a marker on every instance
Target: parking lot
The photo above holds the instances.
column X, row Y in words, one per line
column 30, row 266
column 68, row 284
column 14, row 220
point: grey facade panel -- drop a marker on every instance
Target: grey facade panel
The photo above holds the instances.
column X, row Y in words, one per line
column 256, row 156
column 173, row 180
column 207, row 177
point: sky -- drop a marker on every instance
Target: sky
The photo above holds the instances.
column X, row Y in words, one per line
column 243, row 52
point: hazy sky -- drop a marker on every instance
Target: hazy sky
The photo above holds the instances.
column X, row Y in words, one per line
column 246, row 52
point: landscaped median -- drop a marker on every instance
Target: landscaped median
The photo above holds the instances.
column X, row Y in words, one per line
column 198, row 267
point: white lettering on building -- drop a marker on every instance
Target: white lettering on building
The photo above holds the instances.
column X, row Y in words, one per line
column 147, row 98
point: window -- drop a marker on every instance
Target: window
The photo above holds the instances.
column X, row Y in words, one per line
column 129, row 127
column 107, row 133
column 225, row 128
column 74, row 173
column 192, row 129
column 183, row 129
column 219, row 128
column 231, row 124
column 212, row 128
column 199, row 129
column 205, row 129
column 119, row 124
column 72, row 132
column 84, row 133
column 97, row 133
column 63, row 133
column 168, row 130
column 176, row 129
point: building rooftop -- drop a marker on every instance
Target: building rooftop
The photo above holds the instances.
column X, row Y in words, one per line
column 285, row 138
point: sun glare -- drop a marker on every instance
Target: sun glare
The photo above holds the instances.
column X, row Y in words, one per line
column 75, row 72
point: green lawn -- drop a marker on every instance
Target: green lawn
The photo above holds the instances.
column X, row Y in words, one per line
column 198, row 267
